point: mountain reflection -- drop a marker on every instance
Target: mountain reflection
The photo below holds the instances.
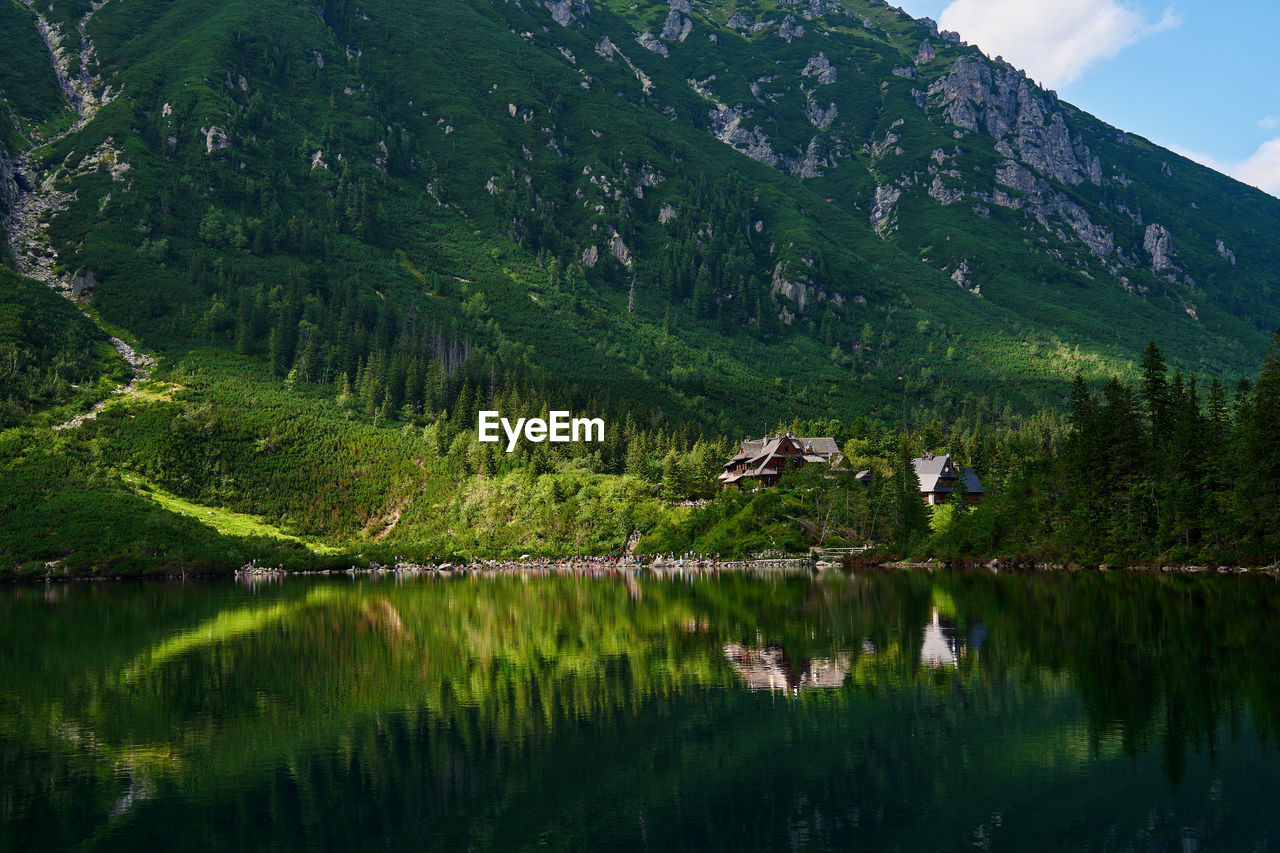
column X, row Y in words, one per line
column 484, row 712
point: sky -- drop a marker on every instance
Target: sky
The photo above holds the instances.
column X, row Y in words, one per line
column 1201, row 77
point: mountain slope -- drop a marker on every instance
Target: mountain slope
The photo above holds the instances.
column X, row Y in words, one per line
column 726, row 211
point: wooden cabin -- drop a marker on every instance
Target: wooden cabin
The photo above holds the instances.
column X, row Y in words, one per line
column 763, row 461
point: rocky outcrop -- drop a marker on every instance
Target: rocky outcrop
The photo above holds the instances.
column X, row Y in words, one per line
column 943, row 194
column 889, row 145
column 565, row 12
column 818, row 8
column 962, row 277
column 105, row 157
column 605, row 49
column 790, row 29
column 1099, row 241
column 819, row 68
column 1018, row 177
column 884, row 209
column 678, row 24
column 819, row 116
column 1158, row 243
column 1037, row 196
column 999, row 100
column 650, row 42
column 925, row 54
column 1225, row 253
column 727, row 125
column 810, row 162
column 619, row 249
column 215, row 139
column 677, row 27
column 796, row 291
column 83, row 285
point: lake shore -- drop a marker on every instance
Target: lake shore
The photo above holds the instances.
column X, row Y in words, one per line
column 660, row 566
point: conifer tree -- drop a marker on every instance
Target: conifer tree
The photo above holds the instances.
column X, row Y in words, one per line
column 910, row 515
column 1216, row 412
column 1155, row 393
column 1258, row 469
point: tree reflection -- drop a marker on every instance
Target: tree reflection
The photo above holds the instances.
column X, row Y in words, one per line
column 471, row 710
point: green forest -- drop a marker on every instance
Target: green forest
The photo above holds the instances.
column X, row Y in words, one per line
column 220, row 463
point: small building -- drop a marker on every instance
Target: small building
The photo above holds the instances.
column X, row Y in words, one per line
column 765, row 460
column 939, row 475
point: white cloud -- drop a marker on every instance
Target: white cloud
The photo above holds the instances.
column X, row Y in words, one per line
column 1261, row 169
column 1203, row 159
column 1269, row 123
column 1054, row 42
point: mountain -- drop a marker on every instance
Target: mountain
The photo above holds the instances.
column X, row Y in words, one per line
column 708, row 217
column 680, row 203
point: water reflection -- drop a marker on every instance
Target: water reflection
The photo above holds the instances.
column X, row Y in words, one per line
column 624, row 710
column 773, row 669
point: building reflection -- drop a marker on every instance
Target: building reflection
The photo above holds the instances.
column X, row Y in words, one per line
column 771, row 668
column 944, row 645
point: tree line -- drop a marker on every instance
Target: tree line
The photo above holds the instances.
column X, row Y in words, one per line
column 1154, row 471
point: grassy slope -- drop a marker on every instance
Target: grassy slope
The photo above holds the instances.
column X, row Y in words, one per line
column 63, row 515
column 224, row 521
column 55, row 362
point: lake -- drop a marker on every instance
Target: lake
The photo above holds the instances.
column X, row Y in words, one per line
column 625, row 711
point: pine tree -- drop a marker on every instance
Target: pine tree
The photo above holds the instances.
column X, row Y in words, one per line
column 1155, row 393
column 910, row 516
column 1258, row 468
column 1216, row 412
column 638, row 457
column 413, row 386
column 245, row 343
column 1125, row 491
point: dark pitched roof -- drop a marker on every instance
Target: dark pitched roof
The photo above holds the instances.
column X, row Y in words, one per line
column 932, row 470
column 822, row 446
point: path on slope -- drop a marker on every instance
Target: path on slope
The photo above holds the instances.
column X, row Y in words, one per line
column 33, row 251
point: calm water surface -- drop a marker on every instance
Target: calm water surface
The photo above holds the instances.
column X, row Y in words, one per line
column 886, row 712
